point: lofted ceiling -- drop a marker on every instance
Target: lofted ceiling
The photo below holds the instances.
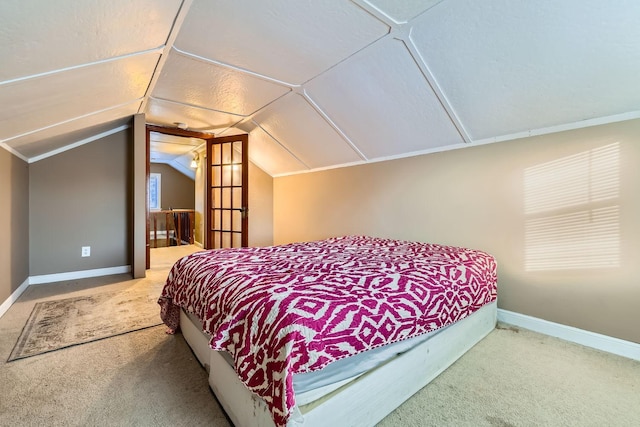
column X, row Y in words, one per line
column 316, row 84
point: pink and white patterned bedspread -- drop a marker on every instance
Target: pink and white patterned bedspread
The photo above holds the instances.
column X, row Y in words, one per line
column 295, row 308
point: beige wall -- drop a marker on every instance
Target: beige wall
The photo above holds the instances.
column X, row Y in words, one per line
column 81, row 197
column 260, row 207
column 14, row 227
column 475, row 197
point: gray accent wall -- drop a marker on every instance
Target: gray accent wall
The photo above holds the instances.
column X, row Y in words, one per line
column 81, row 197
column 177, row 191
column 14, row 227
column 533, row 203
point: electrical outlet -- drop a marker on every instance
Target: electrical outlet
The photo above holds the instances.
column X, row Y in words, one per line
column 86, row 251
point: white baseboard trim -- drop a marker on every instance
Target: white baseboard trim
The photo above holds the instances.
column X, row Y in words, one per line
column 73, row 275
column 568, row 333
column 13, row 297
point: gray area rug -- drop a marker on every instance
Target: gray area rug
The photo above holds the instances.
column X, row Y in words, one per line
column 54, row 325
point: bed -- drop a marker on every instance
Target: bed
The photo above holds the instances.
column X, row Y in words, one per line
column 338, row 331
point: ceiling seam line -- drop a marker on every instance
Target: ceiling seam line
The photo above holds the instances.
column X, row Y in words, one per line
column 377, row 13
column 270, row 79
column 435, row 87
column 72, row 120
column 233, row 67
column 186, row 104
column 348, row 57
column 255, row 113
column 241, row 117
column 251, row 116
column 331, row 123
column 457, row 146
column 630, row 115
column 236, row 125
column 79, row 143
column 14, row 151
column 281, row 144
column 80, row 66
column 171, row 38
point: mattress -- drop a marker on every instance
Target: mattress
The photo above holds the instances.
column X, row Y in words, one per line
column 289, row 310
column 311, row 386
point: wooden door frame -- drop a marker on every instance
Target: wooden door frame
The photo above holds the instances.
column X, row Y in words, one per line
column 167, row 131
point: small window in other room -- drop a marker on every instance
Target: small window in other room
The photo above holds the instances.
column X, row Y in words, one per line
column 155, row 184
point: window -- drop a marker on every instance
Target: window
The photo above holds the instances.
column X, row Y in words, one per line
column 572, row 212
column 155, row 191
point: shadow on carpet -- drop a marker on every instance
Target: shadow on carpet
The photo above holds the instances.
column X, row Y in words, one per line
column 54, row 325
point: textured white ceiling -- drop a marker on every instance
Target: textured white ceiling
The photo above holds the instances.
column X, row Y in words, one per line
column 47, row 100
column 530, row 65
column 288, row 40
column 316, row 84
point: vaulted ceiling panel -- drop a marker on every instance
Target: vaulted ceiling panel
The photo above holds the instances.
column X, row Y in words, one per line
column 270, row 156
column 168, row 113
column 52, row 99
column 510, row 67
column 295, row 124
column 383, row 103
column 42, row 36
column 55, row 98
column 288, row 40
column 402, row 11
column 49, row 140
column 202, row 84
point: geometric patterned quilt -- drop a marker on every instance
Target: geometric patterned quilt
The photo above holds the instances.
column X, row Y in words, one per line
column 288, row 309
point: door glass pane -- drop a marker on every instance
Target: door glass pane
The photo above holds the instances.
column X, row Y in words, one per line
column 226, row 175
column 215, row 175
column 226, row 198
column 237, row 152
column 226, row 220
column 237, row 175
column 237, row 198
column 226, row 153
column 226, row 240
column 217, row 155
column 237, row 240
column 237, row 221
column 216, row 219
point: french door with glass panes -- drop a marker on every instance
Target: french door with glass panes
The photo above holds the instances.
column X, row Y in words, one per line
column 227, row 198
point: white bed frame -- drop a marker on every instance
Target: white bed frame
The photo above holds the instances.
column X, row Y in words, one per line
column 362, row 402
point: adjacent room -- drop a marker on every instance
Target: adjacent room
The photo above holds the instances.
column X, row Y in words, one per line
column 201, row 197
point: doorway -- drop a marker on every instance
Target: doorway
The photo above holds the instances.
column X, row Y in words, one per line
column 223, row 214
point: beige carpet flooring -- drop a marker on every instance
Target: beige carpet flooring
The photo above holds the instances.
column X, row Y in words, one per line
column 513, row 377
